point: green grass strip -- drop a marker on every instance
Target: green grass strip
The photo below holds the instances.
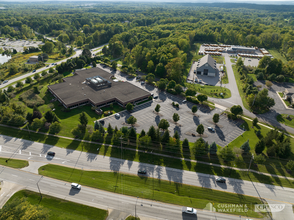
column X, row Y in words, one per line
column 59, row 209
column 14, row 163
column 150, row 188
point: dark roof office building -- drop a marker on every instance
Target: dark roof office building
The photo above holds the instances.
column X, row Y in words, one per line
column 94, row 86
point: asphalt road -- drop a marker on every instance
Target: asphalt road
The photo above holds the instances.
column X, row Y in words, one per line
column 36, row 152
column 104, row 200
column 78, row 53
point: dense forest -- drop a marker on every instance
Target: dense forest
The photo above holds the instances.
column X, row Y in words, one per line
column 157, row 37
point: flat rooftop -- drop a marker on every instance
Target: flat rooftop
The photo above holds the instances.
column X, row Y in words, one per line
column 75, row 89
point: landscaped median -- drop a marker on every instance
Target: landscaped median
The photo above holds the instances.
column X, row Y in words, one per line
column 14, row 163
column 53, row 208
column 154, row 189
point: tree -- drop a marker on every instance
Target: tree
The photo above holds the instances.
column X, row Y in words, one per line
column 161, row 84
column 255, row 121
column 263, row 101
column 260, row 146
column 268, row 83
column 37, row 114
column 176, row 117
column 171, row 84
column 290, row 165
column 165, row 137
column 200, row 129
column 96, row 125
column 150, row 78
column 213, row 149
column 190, row 92
column 157, row 108
column 109, row 130
column 202, row 98
column 145, row 141
column 36, row 76
column 185, row 145
column 129, row 106
column 44, row 73
column 194, row 109
column 19, row 84
column 10, row 88
column 50, row 116
column 29, row 117
column 152, row 133
column 236, row 110
column 176, row 135
column 55, row 128
column 200, row 147
column 83, row 119
column 51, row 70
column 178, row 89
column 143, row 133
column 163, row 124
column 215, row 118
column 132, row 120
column 94, row 64
column 245, row 147
column 114, row 65
column 37, row 123
column 28, row 80
column 48, row 47
column 259, row 159
column 13, row 69
column 227, row 154
column 87, row 53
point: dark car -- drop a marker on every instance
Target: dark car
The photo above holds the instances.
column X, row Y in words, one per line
column 142, row 171
column 51, row 153
column 102, row 122
column 221, row 180
column 34, row 71
column 155, row 97
column 47, row 66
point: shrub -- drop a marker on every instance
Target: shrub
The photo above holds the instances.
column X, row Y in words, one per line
column 259, row 159
column 55, row 128
column 31, row 99
column 290, row 165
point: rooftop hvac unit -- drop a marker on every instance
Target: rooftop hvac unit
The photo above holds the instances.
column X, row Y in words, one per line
column 94, row 81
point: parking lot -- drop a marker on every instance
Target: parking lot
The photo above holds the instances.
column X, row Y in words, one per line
column 19, row 44
column 225, row 132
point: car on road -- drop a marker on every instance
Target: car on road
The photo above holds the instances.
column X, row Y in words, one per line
column 117, row 115
column 51, row 153
column 5, row 81
column 75, row 186
column 142, row 171
column 47, row 66
column 189, row 210
column 210, row 129
column 184, row 101
column 34, row 71
column 155, row 97
column 221, row 180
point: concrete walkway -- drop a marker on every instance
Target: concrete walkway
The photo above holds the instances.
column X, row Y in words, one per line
column 33, row 167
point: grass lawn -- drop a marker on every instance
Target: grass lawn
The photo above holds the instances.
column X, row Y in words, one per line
column 225, row 79
column 239, row 84
column 149, row 188
column 283, row 118
column 232, row 60
column 276, row 54
column 211, row 91
column 61, row 209
column 218, row 59
column 132, row 218
column 14, row 163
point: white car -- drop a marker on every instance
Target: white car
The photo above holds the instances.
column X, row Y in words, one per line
column 210, row 129
column 75, row 186
column 117, row 115
column 189, row 210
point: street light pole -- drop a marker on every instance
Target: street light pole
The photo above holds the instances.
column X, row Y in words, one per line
column 39, row 187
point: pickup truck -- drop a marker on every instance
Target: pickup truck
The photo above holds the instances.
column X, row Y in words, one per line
column 189, row 210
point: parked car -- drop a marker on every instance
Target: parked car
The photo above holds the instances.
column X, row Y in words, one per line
column 221, row 180
column 210, row 129
column 189, row 210
column 143, row 82
column 117, row 115
column 155, row 97
column 51, row 153
column 152, row 94
column 75, row 186
column 142, row 171
column 102, row 122
column 184, row 101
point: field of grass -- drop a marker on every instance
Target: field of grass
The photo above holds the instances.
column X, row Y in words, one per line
column 14, row 163
column 239, row 84
column 276, row 54
column 59, row 209
column 219, row 59
column 149, row 188
column 211, row 91
column 283, row 118
column 232, row 60
column 225, row 79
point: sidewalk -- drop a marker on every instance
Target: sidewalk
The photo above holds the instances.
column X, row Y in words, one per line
column 167, row 156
